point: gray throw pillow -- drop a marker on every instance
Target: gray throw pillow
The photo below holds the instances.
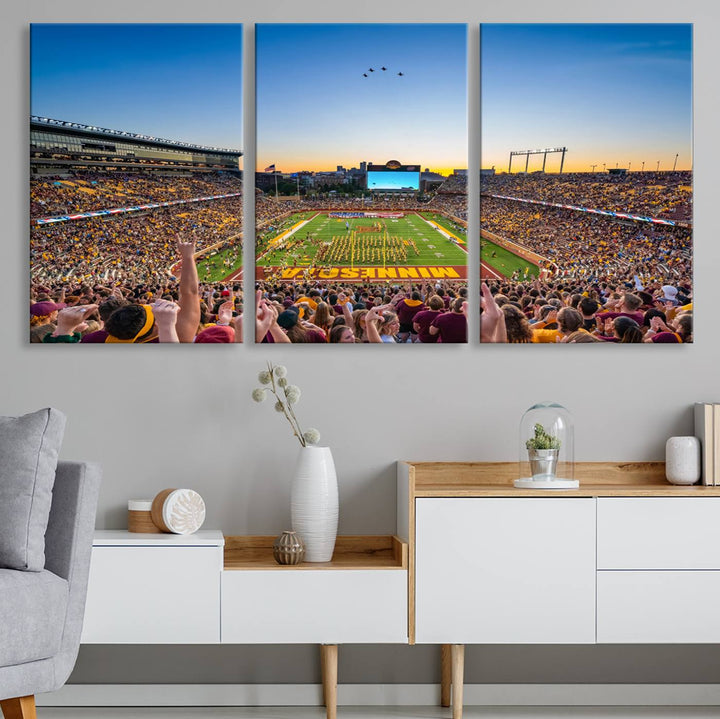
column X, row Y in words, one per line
column 29, row 447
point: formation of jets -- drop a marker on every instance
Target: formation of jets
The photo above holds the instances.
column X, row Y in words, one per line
column 384, row 69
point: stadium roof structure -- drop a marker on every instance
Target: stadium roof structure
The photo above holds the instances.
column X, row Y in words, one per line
column 93, row 130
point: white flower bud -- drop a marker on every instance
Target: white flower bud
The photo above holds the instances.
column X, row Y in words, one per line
column 282, row 382
column 264, row 378
column 312, row 436
column 293, row 394
column 258, row 394
column 279, row 406
column 280, row 371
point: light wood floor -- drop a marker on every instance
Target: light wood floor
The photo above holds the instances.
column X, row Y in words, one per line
column 384, row 713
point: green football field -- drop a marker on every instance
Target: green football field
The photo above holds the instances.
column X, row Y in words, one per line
column 504, row 261
column 218, row 265
column 366, row 241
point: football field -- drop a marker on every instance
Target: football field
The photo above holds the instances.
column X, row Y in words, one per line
column 381, row 245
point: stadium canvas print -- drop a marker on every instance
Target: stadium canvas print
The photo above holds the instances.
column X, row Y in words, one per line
column 361, row 183
column 135, row 183
column 586, row 183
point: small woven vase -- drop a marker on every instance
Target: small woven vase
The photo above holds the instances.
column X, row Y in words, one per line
column 288, row 548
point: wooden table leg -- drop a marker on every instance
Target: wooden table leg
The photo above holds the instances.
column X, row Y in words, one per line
column 445, row 676
column 458, row 669
column 322, row 673
column 329, row 661
column 19, row 708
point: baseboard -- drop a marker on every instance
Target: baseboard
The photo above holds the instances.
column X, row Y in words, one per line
column 206, row 695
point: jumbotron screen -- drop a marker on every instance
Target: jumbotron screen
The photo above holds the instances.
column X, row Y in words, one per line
column 393, row 177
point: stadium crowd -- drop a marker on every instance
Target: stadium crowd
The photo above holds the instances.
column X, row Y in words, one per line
column 571, row 312
column 593, row 247
column 602, row 279
column 76, row 192
column 131, row 248
column 665, row 195
column 374, row 313
column 137, row 277
column 170, row 309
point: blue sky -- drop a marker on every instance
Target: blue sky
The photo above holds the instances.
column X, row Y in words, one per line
column 180, row 81
column 315, row 110
column 613, row 94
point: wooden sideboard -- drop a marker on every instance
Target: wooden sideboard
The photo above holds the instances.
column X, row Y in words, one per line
column 623, row 559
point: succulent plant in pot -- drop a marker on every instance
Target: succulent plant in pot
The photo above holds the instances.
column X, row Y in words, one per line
column 543, row 450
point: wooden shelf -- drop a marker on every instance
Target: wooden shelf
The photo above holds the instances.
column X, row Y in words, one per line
column 597, row 479
column 351, row 552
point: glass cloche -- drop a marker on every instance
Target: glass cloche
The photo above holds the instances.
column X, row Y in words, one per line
column 546, row 448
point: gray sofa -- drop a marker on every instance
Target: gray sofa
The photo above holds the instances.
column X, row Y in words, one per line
column 41, row 613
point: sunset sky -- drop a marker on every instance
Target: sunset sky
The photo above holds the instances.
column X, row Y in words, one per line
column 177, row 82
column 614, row 95
column 315, row 110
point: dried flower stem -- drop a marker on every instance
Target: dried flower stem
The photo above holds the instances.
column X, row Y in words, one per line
column 286, row 407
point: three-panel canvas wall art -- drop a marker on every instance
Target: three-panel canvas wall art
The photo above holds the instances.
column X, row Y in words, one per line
column 360, row 182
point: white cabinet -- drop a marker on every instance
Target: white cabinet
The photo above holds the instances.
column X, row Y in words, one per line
column 286, row 606
column 154, row 589
column 505, row 570
column 658, row 570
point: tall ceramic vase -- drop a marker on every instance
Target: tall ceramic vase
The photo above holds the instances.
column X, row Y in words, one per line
column 314, row 503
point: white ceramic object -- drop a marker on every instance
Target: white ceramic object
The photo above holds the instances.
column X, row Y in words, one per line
column 314, row 503
column 183, row 511
column 682, row 460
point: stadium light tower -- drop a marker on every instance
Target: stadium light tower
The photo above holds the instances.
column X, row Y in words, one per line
column 592, row 167
column 675, row 163
column 545, row 152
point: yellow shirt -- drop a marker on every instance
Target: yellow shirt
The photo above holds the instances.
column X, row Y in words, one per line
column 544, row 335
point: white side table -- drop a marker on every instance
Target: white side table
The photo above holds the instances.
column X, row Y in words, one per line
column 154, row 588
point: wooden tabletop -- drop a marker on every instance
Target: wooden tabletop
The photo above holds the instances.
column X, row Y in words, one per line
column 351, row 552
column 597, row 479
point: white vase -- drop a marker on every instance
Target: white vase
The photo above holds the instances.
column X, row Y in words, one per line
column 314, row 503
column 682, row 460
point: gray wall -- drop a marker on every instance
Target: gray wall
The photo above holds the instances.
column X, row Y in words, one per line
column 181, row 416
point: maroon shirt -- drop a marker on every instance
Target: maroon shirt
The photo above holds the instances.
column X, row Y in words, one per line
column 315, row 336
column 406, row 312
column 425, row 319
column 452, row 326
column 97, row 336
column 667, row 337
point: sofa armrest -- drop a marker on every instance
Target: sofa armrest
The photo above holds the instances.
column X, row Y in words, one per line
column 68, row 545
column 68, row 539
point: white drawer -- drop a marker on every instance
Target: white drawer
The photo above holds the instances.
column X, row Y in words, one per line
column 658, row 607
column 306, row 606
column 153, row 595
column 505, row 570
column 658, row 532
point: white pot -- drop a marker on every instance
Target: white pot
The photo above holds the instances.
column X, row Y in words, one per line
column 314, row 503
